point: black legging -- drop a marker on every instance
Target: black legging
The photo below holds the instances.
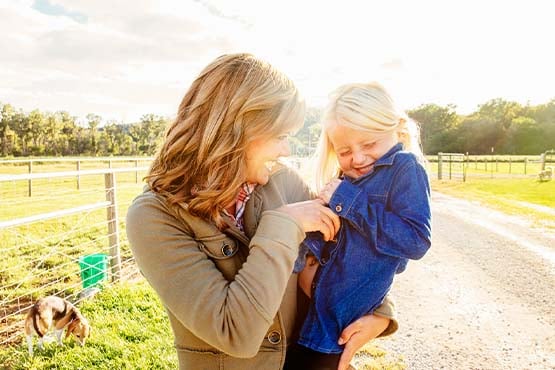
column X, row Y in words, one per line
column 302, row 358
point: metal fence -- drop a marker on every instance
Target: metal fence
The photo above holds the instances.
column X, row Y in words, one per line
column 47, row 238
column 459, row 166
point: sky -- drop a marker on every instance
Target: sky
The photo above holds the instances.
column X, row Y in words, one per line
column 121, row 59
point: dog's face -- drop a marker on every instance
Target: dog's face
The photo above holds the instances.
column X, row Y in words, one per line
column 80, row 328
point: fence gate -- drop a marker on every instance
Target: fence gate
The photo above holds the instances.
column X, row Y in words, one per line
column 451, row 166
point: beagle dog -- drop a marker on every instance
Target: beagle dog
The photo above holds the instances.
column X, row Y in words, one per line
column 55, row 311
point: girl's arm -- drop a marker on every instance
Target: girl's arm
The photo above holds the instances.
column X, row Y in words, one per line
column 399, row 227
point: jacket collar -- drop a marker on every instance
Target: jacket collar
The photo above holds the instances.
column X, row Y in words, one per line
column 253, row 210
column 388, row 158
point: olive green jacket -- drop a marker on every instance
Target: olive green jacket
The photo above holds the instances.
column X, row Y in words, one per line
column 230, row 297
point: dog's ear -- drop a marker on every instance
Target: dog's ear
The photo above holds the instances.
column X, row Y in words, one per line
column 71, row 327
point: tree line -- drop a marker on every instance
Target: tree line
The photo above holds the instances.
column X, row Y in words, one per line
column 59, row 134
column 502, row 126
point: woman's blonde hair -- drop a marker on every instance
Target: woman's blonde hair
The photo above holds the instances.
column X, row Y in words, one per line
column 365, row 107
column 236, row 99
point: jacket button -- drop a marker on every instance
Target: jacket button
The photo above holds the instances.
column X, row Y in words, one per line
column 338, row 208
column 274, row 337
column 227, row 250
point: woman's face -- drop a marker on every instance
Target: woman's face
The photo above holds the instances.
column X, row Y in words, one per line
column 262, row 154
column 357, row 150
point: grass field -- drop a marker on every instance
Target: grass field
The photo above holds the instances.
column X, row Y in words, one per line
column 130, row 331
column 36, row 254
column 522, row 196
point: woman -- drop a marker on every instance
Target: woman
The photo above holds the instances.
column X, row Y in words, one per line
column 217, row 231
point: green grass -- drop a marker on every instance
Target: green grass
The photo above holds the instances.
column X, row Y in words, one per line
column 371, row 357
column 44, row 252
column 130, row 331
column 130, row 327
column 510, row 196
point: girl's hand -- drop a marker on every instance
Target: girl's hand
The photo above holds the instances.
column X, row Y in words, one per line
column 307, row 275
column 358, row 334
column 327, row 191
column 313, row 216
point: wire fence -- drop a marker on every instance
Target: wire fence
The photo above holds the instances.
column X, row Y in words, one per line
column 459, row 166
column 61, row 239
column 56, row 214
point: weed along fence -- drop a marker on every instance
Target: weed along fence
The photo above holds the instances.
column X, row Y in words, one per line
column 459, row 166
column 61, row 238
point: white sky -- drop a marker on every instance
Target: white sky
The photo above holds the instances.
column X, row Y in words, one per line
column 125, row 58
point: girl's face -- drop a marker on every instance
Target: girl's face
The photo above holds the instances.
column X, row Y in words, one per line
column 261, row 154
column 357, row 150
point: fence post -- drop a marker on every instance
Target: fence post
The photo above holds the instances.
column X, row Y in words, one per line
column 465, row 166
column 78, row 177
column 439, row 165
column 30, row 191
column 113, row 228
column 542, row 159
column 525, row 163
column 136, row 171
column 450, row 164
column 510, row 164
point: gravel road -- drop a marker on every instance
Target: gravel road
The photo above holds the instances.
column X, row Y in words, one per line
column 482, row 298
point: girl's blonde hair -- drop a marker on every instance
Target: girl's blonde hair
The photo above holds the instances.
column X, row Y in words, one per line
column 236, row 99
column 365, row 107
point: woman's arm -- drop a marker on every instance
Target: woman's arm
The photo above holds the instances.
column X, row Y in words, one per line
column 232, row 316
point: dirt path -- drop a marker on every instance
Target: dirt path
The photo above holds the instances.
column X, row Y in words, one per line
column 482, row 298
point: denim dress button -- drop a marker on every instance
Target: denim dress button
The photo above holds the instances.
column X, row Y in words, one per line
column 338, row 208
column 274, row 337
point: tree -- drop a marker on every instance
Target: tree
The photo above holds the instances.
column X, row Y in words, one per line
column 93, row 121
column 525, row 135
column 150, row 133
column 7, row 114
column 436, row 126
column 308, row 135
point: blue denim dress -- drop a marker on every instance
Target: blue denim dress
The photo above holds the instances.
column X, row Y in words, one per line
column 385, row 220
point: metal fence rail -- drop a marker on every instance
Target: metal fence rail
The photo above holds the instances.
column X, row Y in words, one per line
column 459, row 166
column 43, row 240
column 35, row 164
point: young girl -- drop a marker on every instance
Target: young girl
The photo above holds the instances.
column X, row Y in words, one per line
column 383, row 199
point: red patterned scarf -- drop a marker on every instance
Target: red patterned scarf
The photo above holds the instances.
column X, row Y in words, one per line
column 240, row 203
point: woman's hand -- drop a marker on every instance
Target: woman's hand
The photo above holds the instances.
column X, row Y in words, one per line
column 327, row 191
column 358, row 334
column 313, row 216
